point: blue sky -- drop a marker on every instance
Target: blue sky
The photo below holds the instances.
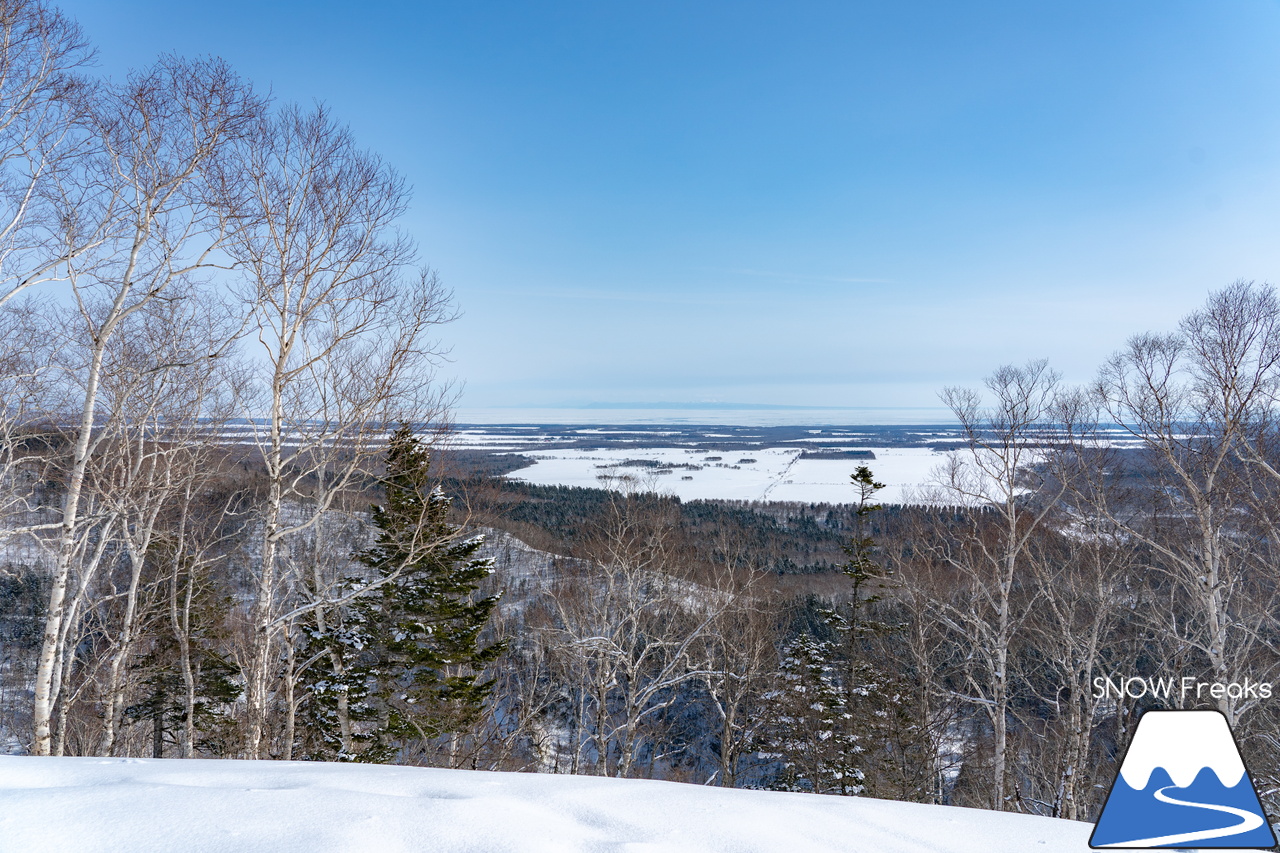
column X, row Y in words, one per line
column 804, row 204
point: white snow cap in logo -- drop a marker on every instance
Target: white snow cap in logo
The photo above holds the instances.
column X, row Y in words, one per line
column 1183, row 743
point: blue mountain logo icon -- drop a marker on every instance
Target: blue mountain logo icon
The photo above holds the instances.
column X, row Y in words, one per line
column 1182, row 783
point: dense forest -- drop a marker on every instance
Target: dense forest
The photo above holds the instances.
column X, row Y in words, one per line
column 226, row 529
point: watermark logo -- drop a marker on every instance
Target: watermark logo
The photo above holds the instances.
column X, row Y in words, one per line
column 1165, row 687
column 1182, row 783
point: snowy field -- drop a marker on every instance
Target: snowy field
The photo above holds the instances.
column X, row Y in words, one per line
column 100, row 805
column 777, row 474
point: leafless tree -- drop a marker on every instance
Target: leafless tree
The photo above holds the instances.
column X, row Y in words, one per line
column 169, row 402
column 630, row 630
column 1197, row 403
column 26, row 351
column 923, row 656
column 344, row 325
column 741, row 650
column 44, row 140
column 163, row 136
column 994, row 476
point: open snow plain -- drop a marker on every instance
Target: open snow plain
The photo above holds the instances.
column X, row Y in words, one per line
column 132, row 805
column 773, row 474
column 801, row 464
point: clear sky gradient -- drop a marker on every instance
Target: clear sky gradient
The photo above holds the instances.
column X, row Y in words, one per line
column 803, row 204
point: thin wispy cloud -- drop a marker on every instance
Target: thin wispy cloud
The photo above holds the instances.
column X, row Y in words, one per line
column 607, row 296
column 792, row 276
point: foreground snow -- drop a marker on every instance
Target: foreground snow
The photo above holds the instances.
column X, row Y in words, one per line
column 93, row 805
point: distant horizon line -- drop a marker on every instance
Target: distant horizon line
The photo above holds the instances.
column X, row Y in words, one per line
column 718, row 405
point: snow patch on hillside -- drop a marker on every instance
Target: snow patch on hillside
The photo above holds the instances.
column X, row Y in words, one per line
column 97, row 805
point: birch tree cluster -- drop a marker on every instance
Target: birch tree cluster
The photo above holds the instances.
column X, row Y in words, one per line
column 210, row 319
column 1121, row 530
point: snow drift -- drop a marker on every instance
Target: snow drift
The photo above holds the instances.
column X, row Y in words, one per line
column 97, row 805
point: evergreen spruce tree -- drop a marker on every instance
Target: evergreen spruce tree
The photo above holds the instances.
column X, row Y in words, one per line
column 878, row 715
column 338, row 660
column 162, row 690
column 808, row 729
column 161, row 697
column 424, row 657
column 850, row 622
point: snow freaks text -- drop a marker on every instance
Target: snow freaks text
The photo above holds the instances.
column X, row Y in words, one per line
column 1185, row 688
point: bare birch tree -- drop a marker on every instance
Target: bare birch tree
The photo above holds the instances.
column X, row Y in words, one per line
column 343, row 323
column 169, row 401
column 1196, row 403
column 630, row 631
column 741, row 650
column 993, row 476
column 164, row 135
column 44, row 139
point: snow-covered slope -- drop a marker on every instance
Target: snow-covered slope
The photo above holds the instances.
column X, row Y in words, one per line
column 92, row 805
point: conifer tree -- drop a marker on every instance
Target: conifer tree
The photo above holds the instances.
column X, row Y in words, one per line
column 808, row 728
column 425, row 658
column 162, row 698
column 337, row 668
column 878, row 717
column 850, row 621
column 162, row 691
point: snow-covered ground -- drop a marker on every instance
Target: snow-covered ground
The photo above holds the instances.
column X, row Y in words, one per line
column 117, row 805
column 776, row 474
